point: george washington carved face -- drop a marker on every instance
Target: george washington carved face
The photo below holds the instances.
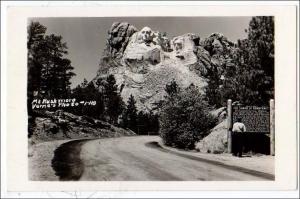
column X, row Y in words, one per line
column 146, row 35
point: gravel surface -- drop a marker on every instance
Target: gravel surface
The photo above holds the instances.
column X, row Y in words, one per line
column 133, row 159
column 39, row 160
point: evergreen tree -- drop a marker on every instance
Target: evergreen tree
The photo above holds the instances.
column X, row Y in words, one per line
column 257, row 53
column 153, row 123
column 250, row 77
column 49, row 73
column 35, row 37
column 172, row 88
column 92, row 93
column 130, row 115
column 185, row 119
column 56, row 71
column 84, row 83
column 142, row 123
column 147, row 123
column 113, row 99
column 87, row 92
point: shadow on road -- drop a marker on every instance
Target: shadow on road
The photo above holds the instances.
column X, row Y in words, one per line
column 66, row 162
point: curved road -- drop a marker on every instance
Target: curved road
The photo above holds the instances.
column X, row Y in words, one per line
column 131, row 159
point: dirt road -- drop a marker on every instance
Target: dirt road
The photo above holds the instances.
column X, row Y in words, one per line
column 136, row 159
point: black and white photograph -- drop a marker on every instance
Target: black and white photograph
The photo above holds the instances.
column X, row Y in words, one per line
column 151, row 98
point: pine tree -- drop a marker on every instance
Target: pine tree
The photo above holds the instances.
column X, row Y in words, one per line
column 87, row 92
column 49, row 73
column 249, row 78
column 130, row 116
column 35, row 39
column 261, row 59
column 142, row 123
column 153, row 123
column 84, row 83
column 56, row 71
column 172, row 88
column 254, row 77
column 113, row 100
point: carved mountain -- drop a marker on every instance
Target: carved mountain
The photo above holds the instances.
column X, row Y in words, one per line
column 144, row 61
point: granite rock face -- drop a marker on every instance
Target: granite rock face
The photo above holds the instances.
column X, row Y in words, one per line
column 221, row 51
column 216, row 141
column 61, row 125
column 118, row 37
column 144, row 61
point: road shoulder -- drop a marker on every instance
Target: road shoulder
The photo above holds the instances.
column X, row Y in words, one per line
column 260, row 163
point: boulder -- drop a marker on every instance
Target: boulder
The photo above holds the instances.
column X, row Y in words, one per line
column 216, row 141
column 220, row 114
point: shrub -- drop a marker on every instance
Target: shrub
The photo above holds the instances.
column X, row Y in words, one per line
column 185, row 118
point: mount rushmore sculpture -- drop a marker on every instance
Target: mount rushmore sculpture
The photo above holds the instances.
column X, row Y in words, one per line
column 144, row 61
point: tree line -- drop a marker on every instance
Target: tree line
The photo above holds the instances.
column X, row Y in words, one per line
column 183, row 117
column 49, row 71
column 49, row 75
column 249, row 78
column 110, row 106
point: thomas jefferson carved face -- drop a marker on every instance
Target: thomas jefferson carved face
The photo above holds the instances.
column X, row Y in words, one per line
column 178, row 44
column 146, row 35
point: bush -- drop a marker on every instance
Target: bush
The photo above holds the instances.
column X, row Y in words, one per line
column 185, row 118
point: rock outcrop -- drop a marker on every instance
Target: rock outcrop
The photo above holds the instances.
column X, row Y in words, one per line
column 144, row 61
column 61, row 125
column 221, row 51
column 118, row 37
column 216, row 141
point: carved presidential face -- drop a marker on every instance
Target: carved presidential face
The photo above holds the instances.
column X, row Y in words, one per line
column 178, row 44
column 146, row 35
column 217, row 46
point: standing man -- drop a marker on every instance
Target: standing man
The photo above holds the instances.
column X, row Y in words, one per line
column 238, row 128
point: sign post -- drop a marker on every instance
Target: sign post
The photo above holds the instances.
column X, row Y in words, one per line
column 272, row 127
column 257, row 119
column 229, row 125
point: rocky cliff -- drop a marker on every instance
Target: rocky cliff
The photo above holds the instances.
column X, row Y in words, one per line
column 144, row 61
column 60, row 125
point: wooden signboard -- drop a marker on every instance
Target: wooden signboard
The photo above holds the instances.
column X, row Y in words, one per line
column 256, row 119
